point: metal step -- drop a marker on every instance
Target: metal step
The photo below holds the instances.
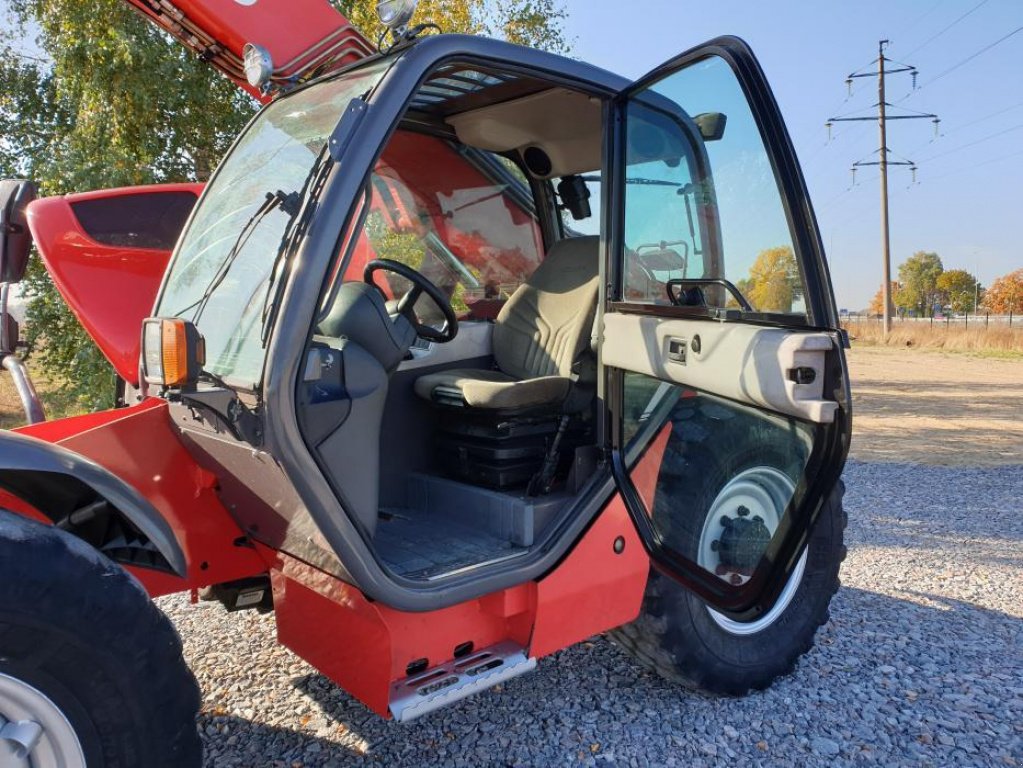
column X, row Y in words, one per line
column 434, row 688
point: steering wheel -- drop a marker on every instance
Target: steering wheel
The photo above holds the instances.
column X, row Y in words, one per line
column 407, row 303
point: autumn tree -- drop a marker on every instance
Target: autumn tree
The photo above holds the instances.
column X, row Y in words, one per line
column 876, row 306
column 114, row 101
column 918, row 277
column 773, row 283
column 958, row 290
column 1006, row 294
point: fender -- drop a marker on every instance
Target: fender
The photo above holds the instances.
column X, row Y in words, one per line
column 65, row 485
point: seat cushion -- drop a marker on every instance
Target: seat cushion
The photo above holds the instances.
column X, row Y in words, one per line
column 547, row 323
column 491, row 390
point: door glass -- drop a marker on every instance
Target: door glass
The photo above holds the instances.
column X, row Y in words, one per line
column 716, row 477
column 702, row 200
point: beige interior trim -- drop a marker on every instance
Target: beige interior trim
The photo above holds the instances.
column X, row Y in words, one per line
column 474, row 339
column 566, row 124
column 743, row 362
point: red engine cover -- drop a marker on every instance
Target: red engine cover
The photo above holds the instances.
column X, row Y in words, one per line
column 107, row 252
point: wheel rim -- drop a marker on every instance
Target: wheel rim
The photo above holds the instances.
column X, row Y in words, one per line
column 753, row 503
column 34, row 733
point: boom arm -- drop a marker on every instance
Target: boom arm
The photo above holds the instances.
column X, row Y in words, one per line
column 305, row 38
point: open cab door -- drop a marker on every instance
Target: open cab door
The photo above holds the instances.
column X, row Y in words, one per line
column 725, row 378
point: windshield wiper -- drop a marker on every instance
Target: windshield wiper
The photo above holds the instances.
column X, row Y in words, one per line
column 271, row 298
column 272, row 201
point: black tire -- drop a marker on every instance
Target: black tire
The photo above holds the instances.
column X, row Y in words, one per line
column 79, row 629
column 676, row 636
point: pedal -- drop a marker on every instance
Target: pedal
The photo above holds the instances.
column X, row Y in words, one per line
column 439, row 686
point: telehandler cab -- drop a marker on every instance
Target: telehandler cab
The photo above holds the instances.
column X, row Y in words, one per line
column 465, row 353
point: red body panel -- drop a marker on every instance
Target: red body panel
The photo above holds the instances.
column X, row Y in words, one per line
column 304, row 37
column 110, row 288
column 362, row 645
column 365, row 646
column 141, row 447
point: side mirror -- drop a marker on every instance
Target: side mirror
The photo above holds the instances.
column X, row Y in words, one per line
column 15, row 239
column 711, row 125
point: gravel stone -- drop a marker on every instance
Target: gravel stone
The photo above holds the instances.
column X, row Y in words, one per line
column 921, row 663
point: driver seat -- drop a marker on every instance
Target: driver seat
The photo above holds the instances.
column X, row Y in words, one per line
column 542, row 341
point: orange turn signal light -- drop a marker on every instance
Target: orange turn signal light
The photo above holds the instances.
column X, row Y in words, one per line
column 173, row 352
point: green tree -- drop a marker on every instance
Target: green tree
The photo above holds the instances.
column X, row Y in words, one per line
column 958, row 290
column 116, row 102
column 918, row 276
column 773, row 283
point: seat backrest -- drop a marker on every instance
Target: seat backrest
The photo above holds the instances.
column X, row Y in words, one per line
column 546, row 324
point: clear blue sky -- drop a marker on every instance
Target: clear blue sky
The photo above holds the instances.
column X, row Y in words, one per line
column 968, row 204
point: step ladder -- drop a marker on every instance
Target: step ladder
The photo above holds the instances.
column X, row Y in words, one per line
column 452, row 681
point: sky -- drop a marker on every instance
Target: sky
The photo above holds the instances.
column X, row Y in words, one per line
column 968, row 203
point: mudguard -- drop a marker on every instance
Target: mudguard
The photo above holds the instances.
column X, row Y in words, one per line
column 23, row 458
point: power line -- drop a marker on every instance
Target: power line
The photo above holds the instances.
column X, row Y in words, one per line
column 935, row 36
column 975, row 143
column 955, row 129
column 964, row 62
column 998, row 159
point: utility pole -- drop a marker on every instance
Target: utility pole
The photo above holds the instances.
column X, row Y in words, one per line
column 883, row 160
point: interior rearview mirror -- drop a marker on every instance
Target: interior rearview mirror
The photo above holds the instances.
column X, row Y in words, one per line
column 15, row 239
column 711, row 125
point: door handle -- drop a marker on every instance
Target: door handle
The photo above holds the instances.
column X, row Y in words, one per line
column 678, row 350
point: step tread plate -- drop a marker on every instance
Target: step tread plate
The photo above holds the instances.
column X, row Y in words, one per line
column 447, row 683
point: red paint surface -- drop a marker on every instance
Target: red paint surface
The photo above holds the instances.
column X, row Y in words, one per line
column 593, row 589
column 140, row 446
column 110, row 289
column 303, row 36
column 365, row 646
column 645, row 472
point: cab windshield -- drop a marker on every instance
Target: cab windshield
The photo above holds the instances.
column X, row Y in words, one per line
column 221, row 275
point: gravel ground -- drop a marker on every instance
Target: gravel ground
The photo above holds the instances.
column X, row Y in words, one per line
column 921, row 663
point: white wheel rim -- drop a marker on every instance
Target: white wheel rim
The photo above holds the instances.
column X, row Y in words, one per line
column 34, row 733
column 762, row 492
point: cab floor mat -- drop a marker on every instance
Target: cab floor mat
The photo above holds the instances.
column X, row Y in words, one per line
column 421, row 545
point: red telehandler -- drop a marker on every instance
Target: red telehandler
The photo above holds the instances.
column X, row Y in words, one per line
column 454, row 362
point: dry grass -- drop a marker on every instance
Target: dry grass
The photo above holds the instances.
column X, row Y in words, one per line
column 999, row 341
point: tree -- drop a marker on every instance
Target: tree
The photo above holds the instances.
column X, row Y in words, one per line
column 1006, row 294
column 773, row 283
column 958, row 290
column 536, row 23
column 918, row 276
column 877, row 303
column 117, row 102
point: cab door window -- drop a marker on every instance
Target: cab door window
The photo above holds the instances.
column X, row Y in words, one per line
column 702, row 200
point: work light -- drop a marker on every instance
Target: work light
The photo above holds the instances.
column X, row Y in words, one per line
column 396, row 14
column 259, row 66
